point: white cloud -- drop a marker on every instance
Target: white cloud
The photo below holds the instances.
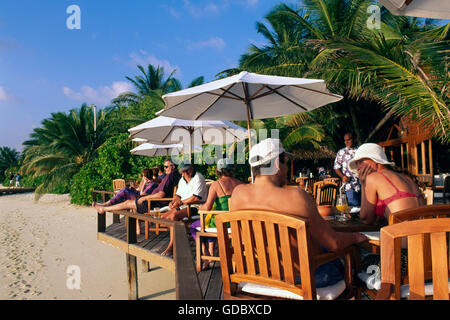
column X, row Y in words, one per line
column 143, row 58
column 101, row 96
column 213, row 42
column 199, row 11
column 5, row 96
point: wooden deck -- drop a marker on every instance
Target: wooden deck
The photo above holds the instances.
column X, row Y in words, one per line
column 189, row 284
column 6, row 191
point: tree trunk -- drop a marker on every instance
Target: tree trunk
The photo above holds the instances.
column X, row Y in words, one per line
column 380, row 124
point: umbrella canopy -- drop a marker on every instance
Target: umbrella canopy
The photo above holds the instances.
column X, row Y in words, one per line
column 248, row 96
column 153, row 150
column 167, row 130
column 436, row 9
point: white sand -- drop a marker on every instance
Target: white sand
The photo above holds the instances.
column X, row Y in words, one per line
column 40, row 240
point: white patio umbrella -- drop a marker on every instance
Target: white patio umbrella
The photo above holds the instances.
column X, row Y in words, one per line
column 165, row 130
column 436, row 9
column 248, row 96
column 153, row 150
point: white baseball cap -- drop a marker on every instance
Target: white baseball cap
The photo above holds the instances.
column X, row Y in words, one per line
column 265, row 151
column 371, row 151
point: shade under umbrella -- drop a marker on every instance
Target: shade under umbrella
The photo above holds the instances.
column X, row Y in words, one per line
column 436, row 9
column 153, row 150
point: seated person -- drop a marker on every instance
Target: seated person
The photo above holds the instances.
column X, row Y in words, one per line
column 146, row 186
column 385, row 189
column 270, row 166
column 218, row 195
column 191, row 190
column 159, row 173
column 163, row 190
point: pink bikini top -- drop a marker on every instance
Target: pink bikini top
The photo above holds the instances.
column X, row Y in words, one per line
column 382, row 204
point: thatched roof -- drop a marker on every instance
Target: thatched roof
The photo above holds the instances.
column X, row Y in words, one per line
column 320, row 153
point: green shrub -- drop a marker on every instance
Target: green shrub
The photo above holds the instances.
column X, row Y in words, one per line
column 114, row 161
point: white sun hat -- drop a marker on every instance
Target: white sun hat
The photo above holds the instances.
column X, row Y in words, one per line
column 265, row 151
column 371, row 151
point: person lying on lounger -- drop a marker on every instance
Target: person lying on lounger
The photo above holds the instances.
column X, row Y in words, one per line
column 163, row 190
column 146, row 187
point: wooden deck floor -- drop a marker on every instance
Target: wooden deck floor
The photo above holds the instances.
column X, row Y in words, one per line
column 149, row 250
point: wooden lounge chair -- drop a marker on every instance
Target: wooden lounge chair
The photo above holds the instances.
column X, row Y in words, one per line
column 265, row 250
column 421, row 213
column 418, row 233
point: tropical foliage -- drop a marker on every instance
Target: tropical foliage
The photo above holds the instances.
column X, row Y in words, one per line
column 62, row 145
column 9, row 158
column 400, row 68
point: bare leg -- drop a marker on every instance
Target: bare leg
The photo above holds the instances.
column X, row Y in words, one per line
column 130, row 204
column 175, row 215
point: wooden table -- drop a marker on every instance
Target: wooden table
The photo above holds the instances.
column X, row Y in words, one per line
column 354, row 225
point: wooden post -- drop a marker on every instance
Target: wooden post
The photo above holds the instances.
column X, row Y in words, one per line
column 424, row 164
column 187, row 283
column 132, row 277
column 131, row 230
column 131, row 260
column 430, row 152
column 101, row 222
column 402, row 155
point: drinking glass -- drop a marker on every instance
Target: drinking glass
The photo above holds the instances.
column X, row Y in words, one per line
column 342, row 207
column 157, row 212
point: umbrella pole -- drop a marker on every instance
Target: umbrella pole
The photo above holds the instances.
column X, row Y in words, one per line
column 249, row 134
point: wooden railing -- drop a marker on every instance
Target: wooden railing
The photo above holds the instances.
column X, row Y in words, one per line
column 186, row 281
column 13, row 190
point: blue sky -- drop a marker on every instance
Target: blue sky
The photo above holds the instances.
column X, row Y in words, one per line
column 45, row 67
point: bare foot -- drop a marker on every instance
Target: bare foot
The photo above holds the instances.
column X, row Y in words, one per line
column 99, row 209
column 207, row 264
column 167, row 252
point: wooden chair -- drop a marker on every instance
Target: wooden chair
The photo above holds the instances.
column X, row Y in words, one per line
column 118, row 184
column 271, row 249
column 158, row 227
column 326, row 194
column 334, row 180
column 437, row 231
column 203, row 233
column 420, row 213
column 318, row 184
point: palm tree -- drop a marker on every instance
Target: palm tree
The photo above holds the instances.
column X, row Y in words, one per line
column 152, row 83
column 8, row 158
column 64, row 143
column 398, row 66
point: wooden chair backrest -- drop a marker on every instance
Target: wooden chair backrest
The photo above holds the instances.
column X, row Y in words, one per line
column 265, row 247
column 420, row 213
column 335, row 180
column 416, row 231
column 326, row 194
column 118, row 184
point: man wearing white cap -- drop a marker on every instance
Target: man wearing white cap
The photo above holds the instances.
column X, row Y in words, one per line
column 269, row 164
column 350, row 180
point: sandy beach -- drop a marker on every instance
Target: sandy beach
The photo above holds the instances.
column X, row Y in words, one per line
column 42, row 243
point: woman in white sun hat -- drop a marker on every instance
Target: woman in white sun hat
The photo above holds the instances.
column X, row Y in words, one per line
column 384, row 188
